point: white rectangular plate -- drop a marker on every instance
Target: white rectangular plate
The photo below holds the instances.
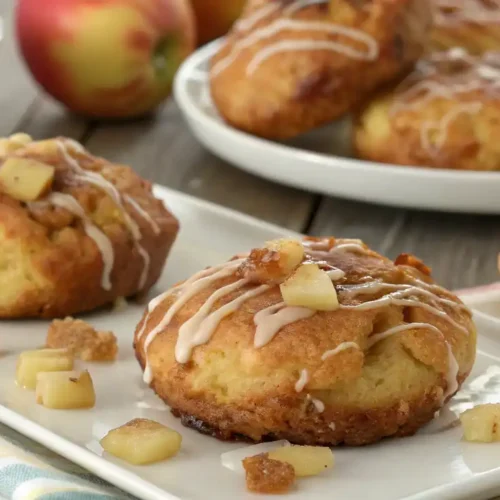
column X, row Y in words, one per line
column 433, row 464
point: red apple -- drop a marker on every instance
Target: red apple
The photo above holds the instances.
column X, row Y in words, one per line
column 106, row 58
column 214, row 18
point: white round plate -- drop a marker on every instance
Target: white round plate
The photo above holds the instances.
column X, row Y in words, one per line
column 320, row 162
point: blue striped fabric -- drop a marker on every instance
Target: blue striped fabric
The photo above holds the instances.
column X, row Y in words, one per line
column 29, row 471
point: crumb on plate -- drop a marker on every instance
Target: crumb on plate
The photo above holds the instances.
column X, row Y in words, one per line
column 264, row 475
column 82, row 340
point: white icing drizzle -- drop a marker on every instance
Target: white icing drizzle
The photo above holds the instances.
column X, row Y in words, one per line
column 187, row 292
column 145, row 268
column 442, row 126
column 452, row 76
column 303, row 380
column 286, row 24
column 398, row 299
column 260, row 14
column 101, row 182
column 335, row 274
column 350, row 247
column 453, row 367
column 145, row 215
column 313, row 45
column 102, row 242
column 342, row 347
column 319, row 405
column 456, row 12
column 271, row 320
column 208, row 326
column 452, row 374
column 374, row 339
column 190, row 331
column 196, row 277
column 301, row 4
column 372, row 287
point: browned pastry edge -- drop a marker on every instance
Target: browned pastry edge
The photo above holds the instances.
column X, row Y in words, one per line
column 299, row 423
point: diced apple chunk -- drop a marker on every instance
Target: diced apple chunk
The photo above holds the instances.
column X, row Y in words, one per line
column 311, row 287
column 142, row 441
column 306, row 460
column 65, row 390
column 13, row 143
column 30, row 363
column 291, row 253
column 274, row 262
column 25, row 179
column 482, row 423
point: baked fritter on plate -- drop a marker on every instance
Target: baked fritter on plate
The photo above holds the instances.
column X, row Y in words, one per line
column 290, row 66
column 444, row 115
column 320, row 342
column 76, row 231
column 471, row 24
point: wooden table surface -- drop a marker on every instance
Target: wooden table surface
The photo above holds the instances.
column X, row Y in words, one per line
column 461, row 249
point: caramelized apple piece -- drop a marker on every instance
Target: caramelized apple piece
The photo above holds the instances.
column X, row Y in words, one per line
column 264, row 475
column 25, row 179
column 30, row 363
column 311, row 287
column 306, row 460
column 13, row 143
column 482, row 423
column 142, row 441
column 273, row 263
column 65, row 390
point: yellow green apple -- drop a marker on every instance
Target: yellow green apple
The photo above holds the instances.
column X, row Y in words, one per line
column 106, row 58
column 214, row 18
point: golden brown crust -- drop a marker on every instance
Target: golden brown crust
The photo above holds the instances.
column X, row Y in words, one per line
column 473, row 25
column 49, row 267
column 454, row 125
column 294, row 90
column 393, row 386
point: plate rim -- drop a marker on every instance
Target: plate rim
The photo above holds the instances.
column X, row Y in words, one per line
column 181, row 96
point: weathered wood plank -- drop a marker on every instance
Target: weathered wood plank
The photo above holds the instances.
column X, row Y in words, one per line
column 46, row 118
column 163, row 150
column 461, row 249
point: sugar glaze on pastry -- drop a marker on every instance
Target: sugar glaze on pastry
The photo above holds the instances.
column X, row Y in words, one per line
column 226, row 309
column 288, row 66
column 70, row 204
column 443, row 115
column 467, row 75
column 471, row 24
column 287, row 24
column 77, row 231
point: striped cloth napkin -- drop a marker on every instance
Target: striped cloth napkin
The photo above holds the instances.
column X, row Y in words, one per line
column 29, row 471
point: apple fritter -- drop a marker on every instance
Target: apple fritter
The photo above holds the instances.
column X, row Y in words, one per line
column 471, row 24
column 76, row 231
column 342, row 346
column 444, row 115
column 290, row 66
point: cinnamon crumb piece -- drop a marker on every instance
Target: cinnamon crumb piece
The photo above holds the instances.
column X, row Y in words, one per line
column 406, row 259
column 264, row 475
column 82, row 340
